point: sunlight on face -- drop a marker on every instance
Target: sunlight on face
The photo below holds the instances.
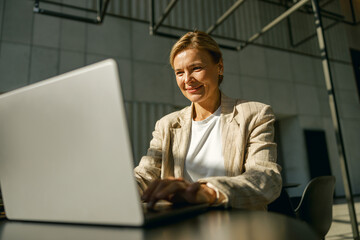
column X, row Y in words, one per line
column 197, row 75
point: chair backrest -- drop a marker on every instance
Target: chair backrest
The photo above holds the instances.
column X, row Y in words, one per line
column 315, row 206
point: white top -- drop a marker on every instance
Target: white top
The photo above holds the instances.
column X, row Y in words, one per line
column 204, row 157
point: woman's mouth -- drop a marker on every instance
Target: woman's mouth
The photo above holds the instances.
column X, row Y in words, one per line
column 193, row 89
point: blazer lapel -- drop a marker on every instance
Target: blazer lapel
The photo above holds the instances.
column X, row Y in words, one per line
column 229, row 127
column 181, row 133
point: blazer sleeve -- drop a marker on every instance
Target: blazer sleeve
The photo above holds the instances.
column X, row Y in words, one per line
column 261, row 182
column 149, row 167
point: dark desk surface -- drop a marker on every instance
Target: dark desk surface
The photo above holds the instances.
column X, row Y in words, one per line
column 212, row 225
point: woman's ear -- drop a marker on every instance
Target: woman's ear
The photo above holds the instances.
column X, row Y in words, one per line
column 221, row 67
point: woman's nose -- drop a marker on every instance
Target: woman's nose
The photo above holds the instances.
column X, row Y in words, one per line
column 188, row 77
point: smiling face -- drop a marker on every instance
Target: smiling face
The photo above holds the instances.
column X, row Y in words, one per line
column 197, row 76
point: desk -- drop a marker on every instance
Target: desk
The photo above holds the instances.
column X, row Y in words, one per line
column 212, row 225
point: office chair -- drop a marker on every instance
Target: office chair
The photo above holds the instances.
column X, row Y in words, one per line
column 282, row 205
column 315, row 206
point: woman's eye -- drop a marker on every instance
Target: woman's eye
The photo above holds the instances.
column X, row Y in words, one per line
column 178, row 73
column 197, row 68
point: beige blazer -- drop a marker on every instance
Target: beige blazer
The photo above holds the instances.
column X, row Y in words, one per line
column 252, row 178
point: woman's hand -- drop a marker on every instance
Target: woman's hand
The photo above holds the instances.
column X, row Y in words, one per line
column 177, row 190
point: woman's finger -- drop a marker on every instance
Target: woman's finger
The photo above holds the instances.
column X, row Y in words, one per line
column 148, row 192
column 194, row 187
column 162, row 189
column 195, row 193
column 170, row 189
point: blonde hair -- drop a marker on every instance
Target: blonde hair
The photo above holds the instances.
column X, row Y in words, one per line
column 197, row 40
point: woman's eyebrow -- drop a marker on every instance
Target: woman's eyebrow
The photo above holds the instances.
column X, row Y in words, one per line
column 195, row 63
column 191, row 65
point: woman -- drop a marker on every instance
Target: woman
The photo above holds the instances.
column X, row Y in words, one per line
column 218, row 150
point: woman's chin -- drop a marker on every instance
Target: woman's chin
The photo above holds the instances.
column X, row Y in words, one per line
column 194, row 97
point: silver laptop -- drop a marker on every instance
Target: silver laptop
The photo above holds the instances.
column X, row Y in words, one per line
column 65, row 152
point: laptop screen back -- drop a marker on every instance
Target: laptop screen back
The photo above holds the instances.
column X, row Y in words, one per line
column 65, row 153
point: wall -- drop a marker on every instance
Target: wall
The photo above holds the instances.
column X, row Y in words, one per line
column 34, row 47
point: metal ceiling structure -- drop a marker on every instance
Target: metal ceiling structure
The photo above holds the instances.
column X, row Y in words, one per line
column 100, row 8
column 101, row 11
column 299, row 5
column 291, row 7
column 154, row 26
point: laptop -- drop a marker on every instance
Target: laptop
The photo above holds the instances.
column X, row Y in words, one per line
column 66, row 155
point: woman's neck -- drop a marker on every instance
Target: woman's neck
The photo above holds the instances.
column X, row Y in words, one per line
column 204, row 110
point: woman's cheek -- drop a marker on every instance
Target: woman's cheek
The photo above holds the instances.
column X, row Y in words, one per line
column 179, row 82
column 200, row 76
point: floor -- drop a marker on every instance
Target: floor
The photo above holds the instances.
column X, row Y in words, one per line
column 341, row 226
